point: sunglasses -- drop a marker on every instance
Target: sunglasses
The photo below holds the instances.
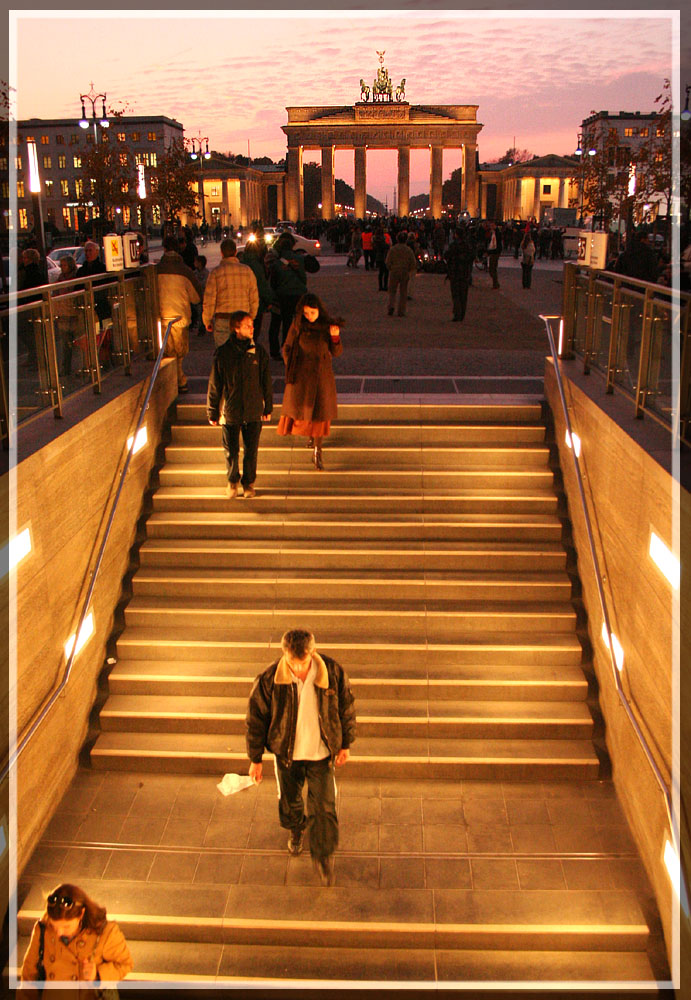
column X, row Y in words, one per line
column 63, row 901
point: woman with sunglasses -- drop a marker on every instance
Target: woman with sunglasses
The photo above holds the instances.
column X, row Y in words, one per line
column 73, row 942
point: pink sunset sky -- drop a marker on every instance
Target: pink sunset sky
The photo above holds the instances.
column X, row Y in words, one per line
column 230, row 77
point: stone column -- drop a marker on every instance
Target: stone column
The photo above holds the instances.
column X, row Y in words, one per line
column 360, row 181
column 280, row 201
column 294, row 184
column 562, row 201
column 483, row 198
column 243, row 203
column 470, row 178
column 328, row 182
column 536, row 198
column 403, row 180
column 436, row 170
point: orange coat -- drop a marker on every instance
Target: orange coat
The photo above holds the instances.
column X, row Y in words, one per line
column 62, row 961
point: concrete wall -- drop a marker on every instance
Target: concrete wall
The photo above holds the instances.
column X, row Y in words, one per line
column 63, row 493
column 634, row 493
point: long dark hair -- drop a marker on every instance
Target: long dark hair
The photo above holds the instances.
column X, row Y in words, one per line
column 94, row 916
column 313, row 301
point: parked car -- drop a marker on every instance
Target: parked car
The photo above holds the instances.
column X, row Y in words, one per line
column 76, row 252
column 54, row 271
column 271, row 234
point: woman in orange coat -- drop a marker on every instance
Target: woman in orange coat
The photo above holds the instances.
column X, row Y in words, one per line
column 75, row 945
column 309, row 399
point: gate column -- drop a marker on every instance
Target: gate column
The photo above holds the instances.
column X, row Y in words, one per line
column 294, row 184
column 328, row 183
column 360, row 181
column 469, row 193
column 403, row 180
column 435, row 185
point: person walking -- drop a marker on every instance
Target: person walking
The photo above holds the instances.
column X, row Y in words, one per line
column 253, row 259
column 401, row 262
column 201, row 272
column 76, row 946
column 493, row 253
column 367, row 251
column 309, row 399
column 240, row 381
column 178, row 291
column 230, row 287
column 459, row 266
column 288, row 280
column 527, row 259
column 302, row 710
column 66, row 315
column 381, row 241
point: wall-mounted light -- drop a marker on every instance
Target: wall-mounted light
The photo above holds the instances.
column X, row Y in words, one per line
column 85, row 633
column 616, row 647
column 17, row 548
column 665, row 560
column 560, row 348
column 573, row 441
column 136, row 443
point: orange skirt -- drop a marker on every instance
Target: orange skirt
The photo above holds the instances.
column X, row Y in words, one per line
column 307, row 428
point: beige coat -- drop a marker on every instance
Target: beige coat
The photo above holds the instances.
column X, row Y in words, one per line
column 62, row 961
column 178, row 290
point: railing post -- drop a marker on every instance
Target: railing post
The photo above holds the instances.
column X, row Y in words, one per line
column 684, row 417
column 48, row 324
column 590, row 322
column 4, row 408
column 569, row 307
column 614, row 335
column 122, row 323
column 644, row 356
column 92, row 338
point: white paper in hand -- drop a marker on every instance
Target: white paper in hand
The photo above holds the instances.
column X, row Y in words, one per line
column 232, row 783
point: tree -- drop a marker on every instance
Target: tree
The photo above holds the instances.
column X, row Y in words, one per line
column 653, row 160
column 171, row 181
column 685, row 167
column 109, row 178
column 451, row 189
column 599, row 181
column 514, row 155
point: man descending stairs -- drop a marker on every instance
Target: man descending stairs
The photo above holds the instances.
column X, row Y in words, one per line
column 477, row 838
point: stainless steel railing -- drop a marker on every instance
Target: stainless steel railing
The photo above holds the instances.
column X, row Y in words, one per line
column 67, row 337
column 640, row 735
column 35, row 725
column 627, row 330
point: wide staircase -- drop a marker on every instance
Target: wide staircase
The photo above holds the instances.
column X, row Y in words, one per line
column 431, row 559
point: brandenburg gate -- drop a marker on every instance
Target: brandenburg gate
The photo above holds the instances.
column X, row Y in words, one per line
column 387, row 121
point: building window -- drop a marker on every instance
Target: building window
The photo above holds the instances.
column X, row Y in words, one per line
column 214, row 191
column 79, row 188
column 30, row 138
column 628, row 132
column 122, row 137
column 643, row 133
column 6, row 190
column 151, row 136
column 105, row 137
column 20, row 189
column 76, row 162
column 3, row 164
column 659, row 157
column 59, row 140
column 136, row 136
column 546, row 188
column 90, row 139
column 660, row 133
column 47, row 163
column 62, row 161
column 23, row 221
column 156, row 215
column 124, row 187
column 123, row 159
column 18, row 162
column 49, row 189
column 66, row 218
column 45, row 140
column 74, row 139
column 64, row 188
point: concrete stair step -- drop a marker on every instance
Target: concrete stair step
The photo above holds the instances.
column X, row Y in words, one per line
column 372, row 757
column 268, row 584
column 376, row 717
column 560, row 649
column 354, row 555
column 363, row 917
column 194, row 411
column 386, row 679
column 381, row 434
column 347, row 477
column 212, row 498
column 248, row 617
column 200, row 962
column 274, row 456
column 242, row 520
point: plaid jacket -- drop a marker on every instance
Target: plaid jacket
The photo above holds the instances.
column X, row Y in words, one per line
column 230, row 286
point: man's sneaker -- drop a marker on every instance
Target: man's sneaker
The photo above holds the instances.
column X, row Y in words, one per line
column 182, row 389
column 249, row 491
column 325, row 867
column 232, row 490
column 295, row 842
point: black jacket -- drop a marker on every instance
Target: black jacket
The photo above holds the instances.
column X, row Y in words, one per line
column 273, row 710
column 241, row 377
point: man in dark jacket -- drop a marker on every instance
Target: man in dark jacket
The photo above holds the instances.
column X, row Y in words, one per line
column 240, row 377
column 301, row 709
column 459, row 265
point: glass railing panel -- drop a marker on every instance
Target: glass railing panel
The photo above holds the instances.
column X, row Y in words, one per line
column 581, row 294
column 602, row 326
column 71, row 341
column 629, row 339
column 658, row 382
column 34, row 389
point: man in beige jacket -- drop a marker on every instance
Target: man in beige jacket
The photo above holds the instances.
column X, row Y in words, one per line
column 231, row 287
column 178, row 291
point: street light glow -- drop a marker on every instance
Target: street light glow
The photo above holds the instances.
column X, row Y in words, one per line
column 34, row 179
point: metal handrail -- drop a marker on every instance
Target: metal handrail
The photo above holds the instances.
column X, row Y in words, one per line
column 666, row 792
column 25, row 740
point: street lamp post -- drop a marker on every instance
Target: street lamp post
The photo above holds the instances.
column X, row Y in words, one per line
column 196, row 153
column 35, row 189
column 98, row 122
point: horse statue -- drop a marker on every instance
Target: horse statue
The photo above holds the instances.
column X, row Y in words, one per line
column 400, row 90
column 364, row 91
